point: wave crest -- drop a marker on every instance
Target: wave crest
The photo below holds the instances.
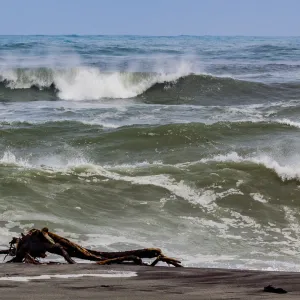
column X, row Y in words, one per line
column 288, row 170
column 80, row 83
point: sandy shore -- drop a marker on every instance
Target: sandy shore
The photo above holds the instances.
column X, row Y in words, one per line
column 135, row 282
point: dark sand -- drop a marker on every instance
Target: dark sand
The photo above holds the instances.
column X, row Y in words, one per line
column 151, row 283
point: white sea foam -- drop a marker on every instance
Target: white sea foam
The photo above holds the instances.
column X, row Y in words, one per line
column 179, row 189
column 88, row 83
column 289, row 123
column 258, row 197
column 111, row 274
column 9, row 158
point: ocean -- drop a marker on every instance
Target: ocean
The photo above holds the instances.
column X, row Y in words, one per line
column 190, row 144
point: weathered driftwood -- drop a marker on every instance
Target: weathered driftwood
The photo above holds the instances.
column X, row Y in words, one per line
column 28, row 248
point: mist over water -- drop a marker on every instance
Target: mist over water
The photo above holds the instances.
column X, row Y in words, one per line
column 190, row 144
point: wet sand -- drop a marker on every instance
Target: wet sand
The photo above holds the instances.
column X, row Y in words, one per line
column 145, row 283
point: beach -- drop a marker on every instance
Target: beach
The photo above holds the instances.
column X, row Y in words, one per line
column 139, row 282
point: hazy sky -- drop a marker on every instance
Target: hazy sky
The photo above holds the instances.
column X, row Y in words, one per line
column 151, row 17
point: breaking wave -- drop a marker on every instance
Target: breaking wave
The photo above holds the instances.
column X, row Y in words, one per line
column 80, row 83
column 286, row 170
column 89, row 83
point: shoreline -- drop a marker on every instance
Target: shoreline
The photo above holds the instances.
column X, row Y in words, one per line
column 91, row 281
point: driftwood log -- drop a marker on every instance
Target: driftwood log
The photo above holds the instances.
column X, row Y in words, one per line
column 34, row 245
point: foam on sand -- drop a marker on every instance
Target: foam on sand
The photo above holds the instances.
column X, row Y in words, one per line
column 111, row 274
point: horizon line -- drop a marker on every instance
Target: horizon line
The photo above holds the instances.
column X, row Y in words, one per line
column 148, row 35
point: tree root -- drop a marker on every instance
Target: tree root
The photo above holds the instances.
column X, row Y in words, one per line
column 28, row 248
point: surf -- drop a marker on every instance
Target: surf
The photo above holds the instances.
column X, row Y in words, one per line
column 178, row 87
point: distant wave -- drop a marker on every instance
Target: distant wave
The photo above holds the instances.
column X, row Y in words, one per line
column 271, row 48
column 89, row 83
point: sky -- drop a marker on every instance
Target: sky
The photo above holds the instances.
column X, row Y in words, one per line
column 151, row 17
